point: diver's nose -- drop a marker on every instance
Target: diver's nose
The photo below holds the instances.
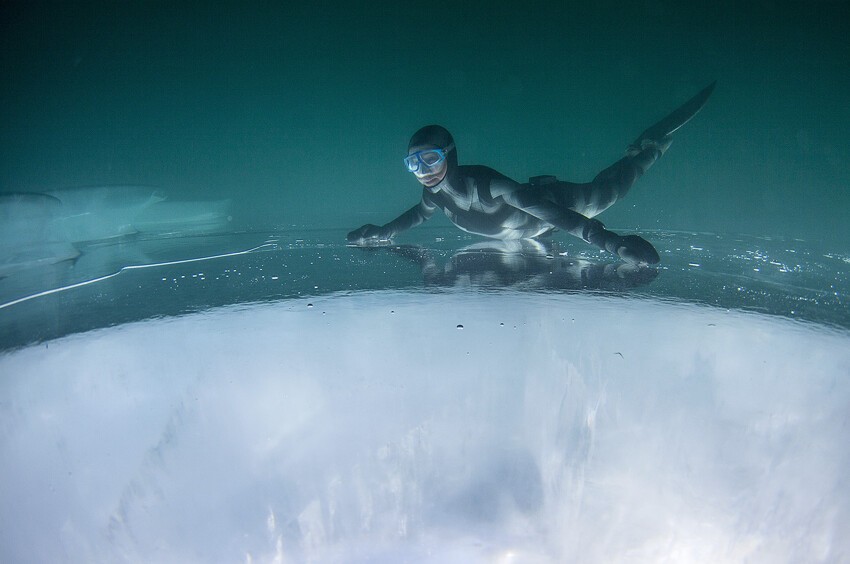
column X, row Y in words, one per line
column 423, row 170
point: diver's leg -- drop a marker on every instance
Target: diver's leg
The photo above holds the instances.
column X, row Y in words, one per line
column 613, row 183
column 609, row 186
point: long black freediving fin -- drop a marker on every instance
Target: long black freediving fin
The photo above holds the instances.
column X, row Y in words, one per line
column 677, row 118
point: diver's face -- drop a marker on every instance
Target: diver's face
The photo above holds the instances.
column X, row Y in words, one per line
column 429, row 176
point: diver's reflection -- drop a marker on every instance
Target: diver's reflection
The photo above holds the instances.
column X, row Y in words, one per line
column 523, row 263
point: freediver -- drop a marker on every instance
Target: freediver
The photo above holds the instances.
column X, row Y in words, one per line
column 482, row 201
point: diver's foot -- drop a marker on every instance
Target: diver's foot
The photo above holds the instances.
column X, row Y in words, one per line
column 656, row 146
column 649, row 151
column 652, row 143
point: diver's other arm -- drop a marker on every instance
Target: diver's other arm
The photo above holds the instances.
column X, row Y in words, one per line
column 366, row 232
column 631, row 248
column 409, row 219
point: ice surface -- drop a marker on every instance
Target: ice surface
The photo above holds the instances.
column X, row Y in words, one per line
column 29, row 236
column 184, row 217
column 43, row 229
column 552, row 428
column 101, row 212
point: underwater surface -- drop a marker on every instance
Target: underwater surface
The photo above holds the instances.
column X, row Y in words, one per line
column 196, row 367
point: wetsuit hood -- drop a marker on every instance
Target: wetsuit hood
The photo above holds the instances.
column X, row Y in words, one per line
column 437, row 136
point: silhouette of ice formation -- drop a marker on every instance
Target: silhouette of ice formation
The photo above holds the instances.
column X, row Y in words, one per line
column 46, row 228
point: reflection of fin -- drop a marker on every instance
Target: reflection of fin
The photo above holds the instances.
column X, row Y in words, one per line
column 677, row 118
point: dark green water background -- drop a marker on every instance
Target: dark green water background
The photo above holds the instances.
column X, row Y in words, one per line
column 301, row 112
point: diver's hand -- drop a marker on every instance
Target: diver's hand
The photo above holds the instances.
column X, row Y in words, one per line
column 634, row 249
column 368, row 232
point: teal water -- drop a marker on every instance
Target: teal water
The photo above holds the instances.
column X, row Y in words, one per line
column 301, row 114
column 195, row 367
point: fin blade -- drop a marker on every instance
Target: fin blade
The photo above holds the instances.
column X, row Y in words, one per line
column 679, row 117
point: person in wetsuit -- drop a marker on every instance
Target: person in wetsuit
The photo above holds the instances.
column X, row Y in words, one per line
column 482, row 201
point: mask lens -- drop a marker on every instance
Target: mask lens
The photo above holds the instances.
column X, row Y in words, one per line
column 430, row 158
column 412, row 163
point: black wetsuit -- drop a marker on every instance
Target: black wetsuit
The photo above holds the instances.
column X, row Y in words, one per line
column 482, row 201
column 485, row 202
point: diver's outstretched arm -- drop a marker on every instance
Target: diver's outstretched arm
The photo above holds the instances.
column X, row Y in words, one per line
column 411, row 218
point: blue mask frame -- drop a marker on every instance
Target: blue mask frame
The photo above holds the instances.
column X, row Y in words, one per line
column 414, row 161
